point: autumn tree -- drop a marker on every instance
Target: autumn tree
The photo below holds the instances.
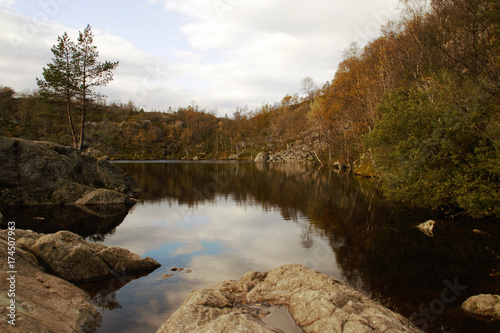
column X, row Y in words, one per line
column 436, row 136
column 309, row 87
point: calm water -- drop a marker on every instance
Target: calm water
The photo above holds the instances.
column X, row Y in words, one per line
column 220, row 220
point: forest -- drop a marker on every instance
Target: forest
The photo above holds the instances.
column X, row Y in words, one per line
column 418, row 107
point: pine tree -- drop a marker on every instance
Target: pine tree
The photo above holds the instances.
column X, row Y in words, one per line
column 61, row 77
column 92, row 73
column 73, row 74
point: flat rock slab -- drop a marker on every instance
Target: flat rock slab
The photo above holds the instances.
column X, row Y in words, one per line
column 317, row 303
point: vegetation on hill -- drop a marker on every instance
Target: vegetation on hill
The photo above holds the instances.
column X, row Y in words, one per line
column 420, row 105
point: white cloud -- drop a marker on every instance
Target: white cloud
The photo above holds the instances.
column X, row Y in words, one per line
column 234, row 53
column 7, row 3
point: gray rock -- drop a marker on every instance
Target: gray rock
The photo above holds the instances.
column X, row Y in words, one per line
column 43, row 173
column 122, row 260
column 70, row 257
column 317, row 303
column 44, row 303
column 484, row 306
column 233, row 157
column 262, row 157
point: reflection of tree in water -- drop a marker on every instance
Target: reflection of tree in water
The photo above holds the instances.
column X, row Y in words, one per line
column 376, row 249
column 106, row 300
column 307, row 240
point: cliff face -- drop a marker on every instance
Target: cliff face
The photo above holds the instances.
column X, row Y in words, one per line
column 42, row 173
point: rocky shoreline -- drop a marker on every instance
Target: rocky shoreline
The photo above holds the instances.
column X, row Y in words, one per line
column 43, row 297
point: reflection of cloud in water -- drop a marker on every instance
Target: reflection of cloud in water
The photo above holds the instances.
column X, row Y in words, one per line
column 218, row 239
column 188, row 249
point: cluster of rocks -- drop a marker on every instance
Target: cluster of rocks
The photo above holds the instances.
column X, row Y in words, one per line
column 45, row 300
column 316, row 303
column 297, row 153
column 43, row 173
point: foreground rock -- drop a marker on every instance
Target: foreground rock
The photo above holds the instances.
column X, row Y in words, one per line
column 317, row 303
column 43, row 302
column 484, row 307
column 70, row 257
column 43, row 173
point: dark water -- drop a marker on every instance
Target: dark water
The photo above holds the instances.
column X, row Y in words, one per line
column 220, row 220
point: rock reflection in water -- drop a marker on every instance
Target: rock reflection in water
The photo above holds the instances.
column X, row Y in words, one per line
column 90, row 222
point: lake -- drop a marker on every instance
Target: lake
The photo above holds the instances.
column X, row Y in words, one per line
column 215, row 221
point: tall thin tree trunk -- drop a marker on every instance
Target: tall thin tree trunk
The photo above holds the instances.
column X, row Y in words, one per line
column 70, row 119
column 84, row 115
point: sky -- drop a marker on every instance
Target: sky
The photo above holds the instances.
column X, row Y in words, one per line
column 218, row 54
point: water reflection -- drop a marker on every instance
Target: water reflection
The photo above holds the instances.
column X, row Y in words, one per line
column 92, row 222
column 223, row 219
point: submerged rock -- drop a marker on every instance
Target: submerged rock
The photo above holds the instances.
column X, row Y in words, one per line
column 485, row 307
column 317, row 303
column 43, row 173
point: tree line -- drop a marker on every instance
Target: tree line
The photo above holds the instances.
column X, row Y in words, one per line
column 418, row 106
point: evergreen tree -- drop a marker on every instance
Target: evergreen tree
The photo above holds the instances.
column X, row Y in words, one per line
column 61, row 76
column 91, row 73
column 74, row 73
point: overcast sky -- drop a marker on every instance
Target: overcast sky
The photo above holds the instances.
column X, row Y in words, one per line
column 220, row 54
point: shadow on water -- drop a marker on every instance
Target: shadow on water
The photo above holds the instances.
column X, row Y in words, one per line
column 378, row 250
column 93, row 222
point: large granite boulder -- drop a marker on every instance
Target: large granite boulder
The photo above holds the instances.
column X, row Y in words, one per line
column 484, row 307
column 316, row 302
column 70, row 257
column 43, row 302
column 43, row 173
